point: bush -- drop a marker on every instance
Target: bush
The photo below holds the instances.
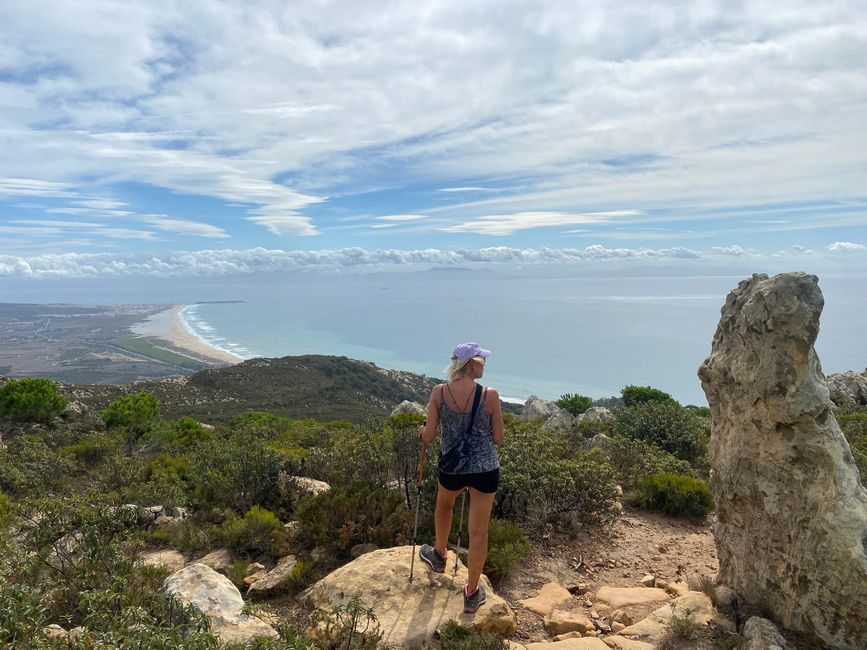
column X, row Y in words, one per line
column 507, row 548
column 31, row 400
column 853, row 424
column 251, row 534
column 453, row 636
column 30, row 467
column 5, row 510
column 542, row 479
column 643, row 394
column 575, row 404
column 91, row 450
column 351, row 626
column 665, row 424
column 358, row 513
column 635, row 460
column 135, row 413
column 674, row 495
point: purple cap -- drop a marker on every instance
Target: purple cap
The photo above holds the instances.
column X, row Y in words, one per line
column 466, row 351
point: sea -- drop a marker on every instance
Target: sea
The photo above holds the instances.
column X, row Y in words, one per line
column 548, row 335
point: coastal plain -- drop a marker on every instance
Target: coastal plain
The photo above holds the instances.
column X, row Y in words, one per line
column 99, row 344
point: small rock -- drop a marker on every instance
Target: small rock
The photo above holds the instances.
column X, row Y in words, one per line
column 648, row 581
column 617, row 626
column 318, row 554
column 253, row 567
column 253, row 578
column 662, row 548
column 575, row 634
column 549, row 596
column 54, row 631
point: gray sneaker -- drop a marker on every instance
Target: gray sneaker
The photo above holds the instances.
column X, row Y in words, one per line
column 474, row 600
column 430, row 555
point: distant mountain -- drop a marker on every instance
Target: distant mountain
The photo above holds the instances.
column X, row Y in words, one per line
column 311, row 386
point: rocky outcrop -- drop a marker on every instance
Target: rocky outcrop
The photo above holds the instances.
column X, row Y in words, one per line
column 848, row 388
column 409, row 407
column 791, row 525
column 408, row 613
column 761, row 634
column 275, row 580
column 220, row 601
column 553, row 418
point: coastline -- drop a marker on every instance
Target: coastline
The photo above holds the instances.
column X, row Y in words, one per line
column 168, row 328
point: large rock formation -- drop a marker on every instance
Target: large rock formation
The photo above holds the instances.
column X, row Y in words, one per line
column 791, row 524
column 408, row 613
column 848, row 388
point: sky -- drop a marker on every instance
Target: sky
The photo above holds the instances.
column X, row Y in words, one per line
column 196, row 139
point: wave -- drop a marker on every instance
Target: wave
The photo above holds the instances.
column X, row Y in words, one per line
column 200, row 329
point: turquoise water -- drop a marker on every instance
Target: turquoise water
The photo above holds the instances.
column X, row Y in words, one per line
column 548, row 335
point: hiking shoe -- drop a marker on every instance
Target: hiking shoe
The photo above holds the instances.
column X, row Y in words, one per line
column 430, row 555
column 474, row 600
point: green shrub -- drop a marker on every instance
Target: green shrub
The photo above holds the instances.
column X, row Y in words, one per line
column 667, row 425
column 31, row 400
column 674, row 495
column 453, row 636
column 236, row 572
column 635, row 460
column 5, row 510
column 542, row 479
column 187, row 432
column 351, row 626
column 853, row 424
column 643, row 394
column 574, row 404
column 30, row 467
column 250, row 534
column 358, row 513
column 91, row 450
column 507, row 548
column 135, row 413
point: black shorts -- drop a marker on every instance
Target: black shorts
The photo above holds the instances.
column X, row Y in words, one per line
column 483, row 481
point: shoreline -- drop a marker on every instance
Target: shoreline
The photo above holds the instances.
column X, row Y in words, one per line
column 178, row 336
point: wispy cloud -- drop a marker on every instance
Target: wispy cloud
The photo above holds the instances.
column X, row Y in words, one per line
column 402, row 217
column 845, row 246
column 186, row 227
column 507, row 224
column 465, row 189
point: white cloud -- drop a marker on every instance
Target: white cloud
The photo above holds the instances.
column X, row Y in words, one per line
column 286, row 224
column 186, row 227
column 402, row 217
column 465, row 189
column 845, row 246
column 507, row 224
column 34, row 187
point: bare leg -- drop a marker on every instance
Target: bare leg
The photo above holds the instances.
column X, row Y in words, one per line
column 480, row 514
column 443, row 517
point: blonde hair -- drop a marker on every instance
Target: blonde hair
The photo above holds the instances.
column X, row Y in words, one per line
column 456, row 369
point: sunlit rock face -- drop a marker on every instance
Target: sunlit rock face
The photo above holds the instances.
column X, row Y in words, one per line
column 791, row 513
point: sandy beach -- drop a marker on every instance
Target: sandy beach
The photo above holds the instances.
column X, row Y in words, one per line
column 166, row 327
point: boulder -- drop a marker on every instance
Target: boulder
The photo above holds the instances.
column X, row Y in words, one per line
column 587, row 643
column 848, row 388
column 169, row 558
column 549, row 596
column 760, row 634
column 617, row 597
column 696, row 605
column 791, row 512
column 307, row 486
column 216, row 596
column 276, row 580
column 552, row 416
column 567, row 619
column 601, row 441
column 596, row 414
column 409, row 613
column 409, row 407
column 219, row 560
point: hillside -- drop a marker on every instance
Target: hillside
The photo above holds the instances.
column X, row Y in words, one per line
column 309, row 386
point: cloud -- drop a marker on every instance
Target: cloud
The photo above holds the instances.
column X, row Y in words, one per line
column 845, row 246
column 402, row 217
column 465, row 189
column 186, row 227
column 34, row 187
column 286, row 224
column 507, row 224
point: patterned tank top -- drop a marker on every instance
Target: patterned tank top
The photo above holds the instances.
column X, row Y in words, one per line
column 474, row 452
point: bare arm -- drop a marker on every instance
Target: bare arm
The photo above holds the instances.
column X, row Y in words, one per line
column 492, row 403
column 428, row 431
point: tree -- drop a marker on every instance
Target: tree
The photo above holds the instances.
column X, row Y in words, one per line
column 31, row 400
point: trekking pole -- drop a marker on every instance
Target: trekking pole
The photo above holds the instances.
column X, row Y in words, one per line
column 460, row 527
column 417, row 502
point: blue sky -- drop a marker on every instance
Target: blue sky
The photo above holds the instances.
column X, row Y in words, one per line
column 176, row 138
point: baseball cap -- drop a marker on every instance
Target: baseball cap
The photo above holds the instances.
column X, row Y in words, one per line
column 466, row 351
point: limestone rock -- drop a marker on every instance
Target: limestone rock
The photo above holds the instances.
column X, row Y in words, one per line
column 309, row 486
column 275, row 580
column 569, row 635
column 586, row 643
column 552, row 416
column 760, row 634
column 601, row 441
column 219, row 560
column 654, row 627
column 169, row 558
column 409, row 407
column 648, row 580
column 549, row 596
column 220, row 600
column 848, row 388
column 677, row 589
column 791, row 512
column 562, row 620
column 622, row 643
column 617, row 597
column 596, row 414
column 409, row 612
column 53, row 631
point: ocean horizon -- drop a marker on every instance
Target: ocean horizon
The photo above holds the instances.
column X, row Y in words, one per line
column 548, row 336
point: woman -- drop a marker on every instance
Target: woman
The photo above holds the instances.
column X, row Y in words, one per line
column 468, row 459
